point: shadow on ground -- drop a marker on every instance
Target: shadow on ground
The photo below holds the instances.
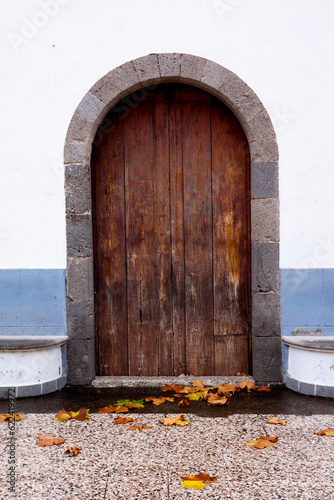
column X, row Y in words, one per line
column 279, row 400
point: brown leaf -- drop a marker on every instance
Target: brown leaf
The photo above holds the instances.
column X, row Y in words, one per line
column 123, row 420
column 72, row 451
column 47, row 440
column 139, row 427
column 179, row 420
column 159, row 401
column 214, row 400
column 239, row 374
column 64, row 415
column 245, row 384
column 187, row 390
column 263, row 442
column 178, row 395
column 263, row 388
column 113, row 409
column 326, row 432
column 184, row 402
column 198, row 384
column 171, row 387
column 205, row 478
column 275, row 420
column 224, row 389
column 10, row 417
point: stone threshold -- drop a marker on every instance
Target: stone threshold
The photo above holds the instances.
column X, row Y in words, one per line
column 101, row 382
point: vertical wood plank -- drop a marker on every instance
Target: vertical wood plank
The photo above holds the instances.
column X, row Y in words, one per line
column 232, row 353
column 163, row 235
column 177, row 232
column 140, row 241
column 109, row 252
column 198, row 236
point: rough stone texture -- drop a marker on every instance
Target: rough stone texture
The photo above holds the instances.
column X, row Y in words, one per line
column 265, row 219
column 161, row 381
column 324, row 391
column 106, row 90
column 307, row 389
column 169, row 65
column 292, row 383
column 267, row 359
column 79, row 235
column 259, row 126
column 29, row 390
column 80, row 129
column 264, row 177
column 79, row 278
column 233, row 89
column 81, row 359
column 265, row 267
column 249, row 105
column 264, row 149
column 213, row 77
column 91, row 108
column 78, row 189
column 192, row 68
column 77, row 151
column 126, row 77
column 266, row 314
column 80, row 320
column 147, row 69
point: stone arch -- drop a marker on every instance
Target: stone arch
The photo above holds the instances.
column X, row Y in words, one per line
column 235, row 93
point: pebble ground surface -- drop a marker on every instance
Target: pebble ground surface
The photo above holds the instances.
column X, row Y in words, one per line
column 120, row 464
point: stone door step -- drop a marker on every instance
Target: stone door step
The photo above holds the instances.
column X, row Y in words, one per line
column 161, row 381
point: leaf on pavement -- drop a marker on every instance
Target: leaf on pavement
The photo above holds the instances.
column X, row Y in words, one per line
column 179, row 420
column 326, row 432
column 263, row 388
column 64, row 415
column 159, row 401
column 72, row 451
column 195, row 396
column 197, row 482
column 123, row 420
column 171, row 387
column 245, row 384
column 139, row 427
column 184, row 402
column 214, row 400
column 47, row 440
column 187, row 390
column 10, row 417
column 263, row 442
column 113, row 409
column 226, row 389
column 198, row 384
column 275, row 420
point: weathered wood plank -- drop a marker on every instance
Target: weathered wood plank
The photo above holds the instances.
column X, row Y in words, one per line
column 109, row 253
column 231, row 354
column 198, row 237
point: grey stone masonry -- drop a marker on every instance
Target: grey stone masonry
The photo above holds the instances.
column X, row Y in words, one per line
column 241, row 99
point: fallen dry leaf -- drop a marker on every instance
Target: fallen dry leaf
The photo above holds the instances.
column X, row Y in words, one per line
column 184, row 402
column 48, row 440
column 113, row 409
column 197, row 482
column 226, row 389
column 275, row 420
column 72, row 451
column 15, row 416
column 139, row 403
column 198, row 384
column 139, row 427
column 159, row 401
column 187, row 390
column 263, row 442
column 123, row 420
column 214, row 400
column 263, row 388
column 326, row 432
column 171, row 387
column 179, row 420
column 178, row 395
column 245, row 384
column 63, row 415
column 239, row 374
column 195, row 396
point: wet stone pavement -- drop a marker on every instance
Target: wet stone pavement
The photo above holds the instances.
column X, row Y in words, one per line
column 120, row 464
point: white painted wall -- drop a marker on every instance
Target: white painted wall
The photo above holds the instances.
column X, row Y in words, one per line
column 282, row 49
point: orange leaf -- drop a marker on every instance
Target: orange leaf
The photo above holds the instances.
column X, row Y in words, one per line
column 171, row 387
column 48, row 440
column 179, row 420
column 123, row 420
column 247, row 385
column 187, row 390
column 159, row 401
column 113, row 409
column 263, row 388
column 139, row 427
column 198, row 384
column 184, row 402
column 239, row 374
column 72, row 451
column 326, row 432
column 64, row 415
column 205, row 478
column 10, row 417
column 275, row 420
column 214, row 400
column 263, row 442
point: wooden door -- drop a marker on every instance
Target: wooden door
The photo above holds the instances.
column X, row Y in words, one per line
column 170, row 184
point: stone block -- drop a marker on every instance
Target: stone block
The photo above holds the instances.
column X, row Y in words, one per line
column 267, row 359
column 169, row 65
column 192, row 68
column 265, row 267
column 80, row 320
column 126, row 77
column 266, row 314
column 27, row 391
column 265, row 219
column 80, row 129
column 77, row 152
column 61, row 382
column 147, row 68
column 79, row 235
column 292, row 383
column 4, row 392
column 48, row 387
column 324, row 391
column 78, row 189
column 233, row 89
column 307, row 389
column 81, row 362
column 264, row 179
column 107, row 90
column 213, row 77
column 91, row 108
column 259, row 126
column 80, row 279
column 264, row 149
column 249, row 105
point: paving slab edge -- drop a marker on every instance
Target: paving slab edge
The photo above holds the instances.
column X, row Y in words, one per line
column 100, row 382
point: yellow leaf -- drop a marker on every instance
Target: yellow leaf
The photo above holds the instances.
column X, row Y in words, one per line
column 263, row 442
column 196, row 485
column 196, row 396
column 81, row 415
column 276, row 420
column 62, row 416
column 326, row 432
column 179, row 420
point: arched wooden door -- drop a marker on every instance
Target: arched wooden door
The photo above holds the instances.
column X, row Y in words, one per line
column 171, row 218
